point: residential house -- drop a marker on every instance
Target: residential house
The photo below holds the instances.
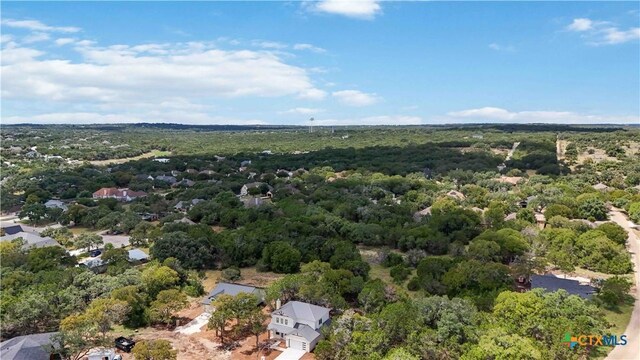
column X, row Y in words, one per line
column 299, row 324
column 137, row 255
column 233, row 290
column 552, row 283
column 168, row 179
column 184, row 220
column 10, row 230
column 103, row 354
column 185, row 183
column 55, row 204
column 244, row 191
column 118, row 194
column 186, row 205
column 245, row 163
column 28, row 347
column 162, row 160
column 31, row 240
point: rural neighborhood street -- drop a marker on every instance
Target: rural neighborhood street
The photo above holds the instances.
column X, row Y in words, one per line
column 632, row 349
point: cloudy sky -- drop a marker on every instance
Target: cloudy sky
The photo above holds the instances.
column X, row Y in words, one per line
column 340, row 62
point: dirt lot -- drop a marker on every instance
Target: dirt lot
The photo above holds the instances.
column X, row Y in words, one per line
column 250, row 276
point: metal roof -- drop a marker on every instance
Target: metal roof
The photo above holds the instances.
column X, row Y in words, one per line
column 233, row 290
column 137, row 254
column 298, row 310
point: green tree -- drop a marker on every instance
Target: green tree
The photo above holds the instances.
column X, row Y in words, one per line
column 497, row 344
column 614, row 232
column 614, row 291
column 156, row 278
column 154, row 350
column 167, row 303
column 88, row 240
column 281, row 257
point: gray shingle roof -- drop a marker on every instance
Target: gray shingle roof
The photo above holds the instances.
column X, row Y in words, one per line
column 27, row 347
column 305, row 331
column 302, row 311
column 10, row 230
column 31, row 240
column 551, row 283
column 233, row 290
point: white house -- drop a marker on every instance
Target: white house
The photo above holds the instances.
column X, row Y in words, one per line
column 299, row 324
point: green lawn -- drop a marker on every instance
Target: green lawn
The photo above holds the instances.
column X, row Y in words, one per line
column 619, row 319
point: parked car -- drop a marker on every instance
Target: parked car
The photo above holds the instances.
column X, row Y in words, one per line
column 124, row 344
column 94, row 253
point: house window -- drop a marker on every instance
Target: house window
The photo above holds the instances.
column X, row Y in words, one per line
column 304, row 346
column 320, row 322
column 277, row 320
column 286, row 321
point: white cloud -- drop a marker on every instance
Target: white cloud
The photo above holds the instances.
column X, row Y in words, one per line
column 358, row 9
column 152, row 71
column 302, row 111
column 580, row 24
column 64, row 41
column 372, row 120
column 35, row 37
column 4, row 38
column 498, row 47
column 269, row 44
column 35, row 25
column 309, row 47
column 355, row 98
column 495, row 114
column 615, row 36
column 603, row 32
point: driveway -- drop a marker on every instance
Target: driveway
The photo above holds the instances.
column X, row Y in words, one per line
column 291, row 354
column 631, row 349
column 116, row 240
column 194, row 325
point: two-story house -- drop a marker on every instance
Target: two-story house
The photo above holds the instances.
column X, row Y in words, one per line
column 299, row 324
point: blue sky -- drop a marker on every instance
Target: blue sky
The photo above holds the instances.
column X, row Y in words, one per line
column 341, row 62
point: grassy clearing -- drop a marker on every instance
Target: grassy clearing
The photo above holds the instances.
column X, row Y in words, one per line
column 153, row 153
column 619, row 319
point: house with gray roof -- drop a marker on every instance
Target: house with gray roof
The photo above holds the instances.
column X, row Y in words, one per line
column 551, row 283
column 13, row 229
column 232, row 290
column 28, row 347
column 55, row 204
column 168, row 179
column 299, row 324
column 138, row 255
column 31, row 240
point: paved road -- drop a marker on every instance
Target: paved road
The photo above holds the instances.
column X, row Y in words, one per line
column 632, row 349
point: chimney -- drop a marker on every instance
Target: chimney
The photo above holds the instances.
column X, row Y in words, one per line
column 278, row 304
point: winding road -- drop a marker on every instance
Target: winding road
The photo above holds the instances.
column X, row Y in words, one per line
column 632, row 349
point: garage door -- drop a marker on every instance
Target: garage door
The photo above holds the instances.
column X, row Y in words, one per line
column 296, row 344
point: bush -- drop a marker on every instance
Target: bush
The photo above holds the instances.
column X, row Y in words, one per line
column 231, row 274
column 400, row 273
column 414, row 284
column 392, row 259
